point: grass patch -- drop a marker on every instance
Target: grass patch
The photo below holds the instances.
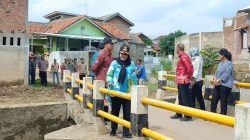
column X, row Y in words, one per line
column 38, row 85
column 152, row 88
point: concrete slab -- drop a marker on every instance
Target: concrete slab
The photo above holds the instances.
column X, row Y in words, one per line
column 159, row 121
column 80, row 132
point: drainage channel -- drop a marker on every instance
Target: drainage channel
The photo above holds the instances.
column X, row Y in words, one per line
column 32, row 121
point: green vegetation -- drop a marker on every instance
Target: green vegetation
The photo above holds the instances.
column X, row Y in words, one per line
column 167, row 42
column 166, row 64
column 210, row 57
column 38, row 85
column 152, row 88
column 154, row 73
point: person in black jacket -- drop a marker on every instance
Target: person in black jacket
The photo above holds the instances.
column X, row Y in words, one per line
column 32, row 70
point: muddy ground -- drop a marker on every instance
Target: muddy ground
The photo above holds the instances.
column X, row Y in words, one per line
column 30, row 94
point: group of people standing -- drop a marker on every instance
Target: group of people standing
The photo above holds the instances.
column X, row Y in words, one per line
column 119, row 74
column 189, row 80
column 43, row 64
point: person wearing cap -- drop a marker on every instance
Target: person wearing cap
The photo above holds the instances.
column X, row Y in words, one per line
column 223, row 81
column 196, row 79
column 102, row 63
column 103, row 60
column 120, row 77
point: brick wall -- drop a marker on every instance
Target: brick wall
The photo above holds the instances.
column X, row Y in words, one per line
column 233, row 42
column 121, row 24
column 13, row 15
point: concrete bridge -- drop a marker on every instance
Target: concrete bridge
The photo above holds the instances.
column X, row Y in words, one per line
column 158, row 119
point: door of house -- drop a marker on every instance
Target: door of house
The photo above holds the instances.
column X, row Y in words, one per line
column 244, row 40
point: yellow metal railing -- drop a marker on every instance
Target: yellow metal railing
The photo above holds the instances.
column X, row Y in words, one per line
column 242, row 85
column 90, row 86
column 78, row 97
column 69, row 91
column 79, row 81
column 169, row 75
column 170, row 88
column 69, row 77
column 154, row 135
column 213, row 117
column 112, row 92
column 237, row 84
column 125, row 123
column 210, row 97
column 114, row 118
column 115, row 93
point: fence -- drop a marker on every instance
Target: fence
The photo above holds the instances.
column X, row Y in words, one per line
column 139, row 112
column 234, row 97
column 139, row 108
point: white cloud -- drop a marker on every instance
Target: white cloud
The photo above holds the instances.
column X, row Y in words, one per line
column 153, row 17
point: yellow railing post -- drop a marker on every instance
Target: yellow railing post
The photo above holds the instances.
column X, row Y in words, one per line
column 161, row 83
column 98, row 104
column 139, row 111
column 242, row 123
column 87, row 96
column 74, row 85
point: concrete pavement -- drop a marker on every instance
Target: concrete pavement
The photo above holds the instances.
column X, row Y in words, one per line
column 197, row 129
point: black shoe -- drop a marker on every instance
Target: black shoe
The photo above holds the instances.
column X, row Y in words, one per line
column 176, row 116
column 186, row 119
column 129, row 135
column 113, row 133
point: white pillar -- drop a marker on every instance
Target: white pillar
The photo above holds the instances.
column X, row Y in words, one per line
column 139, row 111
column 242, row 122
column 98, row 104
column 161, row 82
column 87, row 94
column 75, row 85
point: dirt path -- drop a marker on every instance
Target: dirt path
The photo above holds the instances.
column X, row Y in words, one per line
column 30, row 94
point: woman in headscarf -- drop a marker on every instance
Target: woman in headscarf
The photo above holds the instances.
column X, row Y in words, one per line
column 120, row 77
column 196, row 80
column 223, row 80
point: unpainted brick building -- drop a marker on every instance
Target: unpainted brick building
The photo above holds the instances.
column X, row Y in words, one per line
column 13, row 16
column 237, row 38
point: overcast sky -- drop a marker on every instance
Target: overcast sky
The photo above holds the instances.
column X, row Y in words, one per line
column 152, row 17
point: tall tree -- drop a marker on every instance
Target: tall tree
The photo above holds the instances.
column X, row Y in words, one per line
column 167, row 42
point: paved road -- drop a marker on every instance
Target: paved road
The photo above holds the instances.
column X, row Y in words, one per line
column 194, row 130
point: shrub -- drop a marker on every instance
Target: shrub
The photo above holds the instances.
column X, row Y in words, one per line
column 210, row 59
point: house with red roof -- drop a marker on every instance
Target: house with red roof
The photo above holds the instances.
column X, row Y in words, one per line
column 72, row 32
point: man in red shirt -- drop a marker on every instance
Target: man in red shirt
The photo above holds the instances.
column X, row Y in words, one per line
column 101, row 64
column 184, row 71
column 103, row 60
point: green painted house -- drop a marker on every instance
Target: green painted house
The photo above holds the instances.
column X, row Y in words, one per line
column 71, row 32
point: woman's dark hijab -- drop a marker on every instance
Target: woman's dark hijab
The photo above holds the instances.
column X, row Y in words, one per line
column 226, row 53
column 124, row 64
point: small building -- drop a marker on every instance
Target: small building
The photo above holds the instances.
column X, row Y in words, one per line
column 71, row 32
column 200, row 40
column 237, row 38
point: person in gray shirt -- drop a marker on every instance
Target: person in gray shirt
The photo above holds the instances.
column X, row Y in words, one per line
column 224, row 81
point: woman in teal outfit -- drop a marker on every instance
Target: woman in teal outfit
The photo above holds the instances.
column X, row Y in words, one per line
column 120, row 77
